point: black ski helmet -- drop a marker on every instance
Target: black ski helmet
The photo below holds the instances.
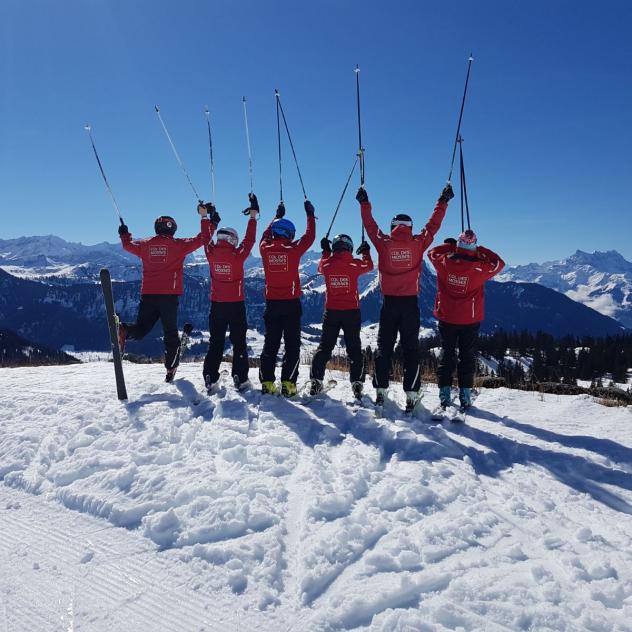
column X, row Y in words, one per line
column 401, row 219
column 165, row 225
column 342, row 242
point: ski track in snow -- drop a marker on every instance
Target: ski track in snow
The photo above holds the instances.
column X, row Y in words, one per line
column 178, row 511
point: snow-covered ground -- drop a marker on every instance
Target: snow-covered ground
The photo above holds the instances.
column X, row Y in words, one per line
column 249, row 513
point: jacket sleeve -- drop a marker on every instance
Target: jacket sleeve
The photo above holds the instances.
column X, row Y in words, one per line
column 433, row 224
column 325, row 256
column 189, row 244
column 130, row 245
column 266, row 236
column 438, row 251
column 492, row 264
column 249, row 240
column 303, row 244
column 372, row 230
column 366, row 263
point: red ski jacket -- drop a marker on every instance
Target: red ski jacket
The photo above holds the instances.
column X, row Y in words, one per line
column 400, row 254
column 163, row 258
column 341, row 272
column 281, row 258
column 226, row 263
column 461, row 276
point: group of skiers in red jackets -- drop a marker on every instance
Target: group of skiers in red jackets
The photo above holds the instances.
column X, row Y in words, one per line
column 462, row 268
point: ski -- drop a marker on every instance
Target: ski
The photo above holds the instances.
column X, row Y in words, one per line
column 113, row 322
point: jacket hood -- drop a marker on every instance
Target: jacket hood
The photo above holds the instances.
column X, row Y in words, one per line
column 402, row 233
column 342, row 255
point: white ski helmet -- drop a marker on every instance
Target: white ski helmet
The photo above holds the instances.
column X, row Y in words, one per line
column 228, row 234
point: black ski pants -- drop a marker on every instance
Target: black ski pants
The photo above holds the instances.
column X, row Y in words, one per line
column 151, row 308
column 282, row 318
column 399, row 314
column 333, row 321
column 223, row 316
column 465, row 338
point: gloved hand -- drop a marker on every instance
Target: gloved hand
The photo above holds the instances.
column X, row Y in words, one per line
column 447, row 194
column 362, row 196
column 325, row 244
column 363, row 247
column 309, row 208
column 213, row 215
column 280, row 212
column 123, row 230
column 202, row 210
column 254, row 205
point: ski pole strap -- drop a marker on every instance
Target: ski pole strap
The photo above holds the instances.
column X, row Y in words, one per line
column 458, row 127
column 276, row 94
column 88, row 129
column 289, row 137
column 210, row 148
column 333, row 219
column 252, row 184
column 175, row 153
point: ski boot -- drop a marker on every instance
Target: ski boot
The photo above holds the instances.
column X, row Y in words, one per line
column 315, row 387
column 211, row 386
column 380, row 396
column 412, row 399
column 240, row 386
column 122, row 335
column 357, row 388
column 268, row 388
column 445, row 401
column 465, row 398
column 288, row 389
column 171, row 374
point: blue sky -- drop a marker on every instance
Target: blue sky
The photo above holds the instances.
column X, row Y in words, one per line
column 546, row 127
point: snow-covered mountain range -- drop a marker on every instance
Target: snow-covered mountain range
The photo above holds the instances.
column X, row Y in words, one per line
column 601, row 280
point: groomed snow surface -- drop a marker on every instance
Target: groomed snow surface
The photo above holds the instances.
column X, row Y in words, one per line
column 246, row 513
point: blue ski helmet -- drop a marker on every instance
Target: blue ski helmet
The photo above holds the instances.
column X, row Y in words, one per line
column 283, row 228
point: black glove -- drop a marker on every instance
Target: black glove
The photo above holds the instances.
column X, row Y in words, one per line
column 123, row 230
column 363, row 247
column 361, row 195
column 280, row 211
column 447, row 194
column 450, row 240
column 309, row 208
column 254, row 204
column 325, row 244
column 213, row 215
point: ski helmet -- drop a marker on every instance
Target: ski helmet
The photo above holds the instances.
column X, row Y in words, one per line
column 401, row 219
column 228, row 234
column 165, row 225
column 342, row 242
column 283, row 228
column 467, row 240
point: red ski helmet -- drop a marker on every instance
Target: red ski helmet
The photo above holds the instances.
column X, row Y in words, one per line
column 165, row 225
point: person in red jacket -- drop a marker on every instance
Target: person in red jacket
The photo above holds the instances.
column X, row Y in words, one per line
column 342, row 308
column 163, row 262
column 462, row 268
column 228, row 308
column 281, row 256
column 400, row 261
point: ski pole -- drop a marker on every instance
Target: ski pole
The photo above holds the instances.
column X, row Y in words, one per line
column 252, row 185
column 360, row 148
column 464, row 201
column 175, row 153
column 458, row 127
column 289, row 137
column 276, row 98
column 333, row 219
column 210, row 149
column 88, row 129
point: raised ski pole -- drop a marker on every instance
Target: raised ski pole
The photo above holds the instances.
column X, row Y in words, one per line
column 278, row 121
column 333, row 219
column 175, row 153
column 360, row 148
column 458, row 127
column 210, row 149
column 289, row 137
column 252, row 185
column 88, row 129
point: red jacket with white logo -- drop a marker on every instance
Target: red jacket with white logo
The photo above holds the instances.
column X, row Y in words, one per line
column 461, row 276
column 281, row 258
column 163, row 258
column 341, row 272
column 226, row 263
column 400, row 254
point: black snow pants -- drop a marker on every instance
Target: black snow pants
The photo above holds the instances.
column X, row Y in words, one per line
column 399, row 314
column 151, row 308
column 223, row 316
column 282, row 318
column 333, row 321
column 465, row 338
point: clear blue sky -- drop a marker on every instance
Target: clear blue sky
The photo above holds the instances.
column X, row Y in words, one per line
column 546, row 128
